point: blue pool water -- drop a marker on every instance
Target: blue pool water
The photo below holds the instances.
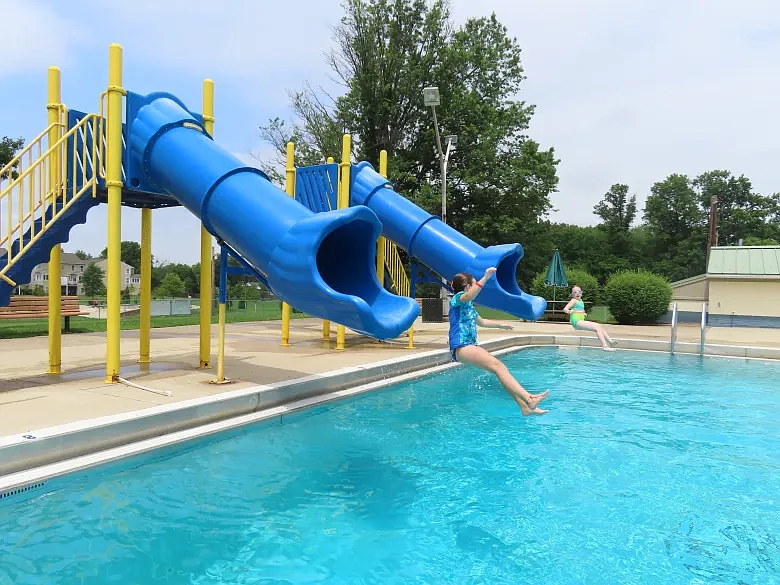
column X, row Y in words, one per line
column 649, row 469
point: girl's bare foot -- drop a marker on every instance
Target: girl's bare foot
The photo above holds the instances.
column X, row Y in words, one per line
column 527, row 411
column 609, row 348
column 534, row 399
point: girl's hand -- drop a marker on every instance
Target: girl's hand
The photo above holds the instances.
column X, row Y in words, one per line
column 490, row 272
column 508, row 327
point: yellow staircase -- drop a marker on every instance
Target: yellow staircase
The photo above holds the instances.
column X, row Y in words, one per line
column 41, row 194
column 396, row 270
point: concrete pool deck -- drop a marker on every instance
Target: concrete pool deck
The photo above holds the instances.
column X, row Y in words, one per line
column 31, row 399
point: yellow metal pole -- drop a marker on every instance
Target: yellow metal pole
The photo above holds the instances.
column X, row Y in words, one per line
column 326, row 324
column 343, row 202
column 289, row 187
column 380, row 243
column 114, row 184
column 146, row 285
column 206, row 280
column 53, row 106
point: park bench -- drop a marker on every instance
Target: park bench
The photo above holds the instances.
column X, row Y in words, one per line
column 29, row 307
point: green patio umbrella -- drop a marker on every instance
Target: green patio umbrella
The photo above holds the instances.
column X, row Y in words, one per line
column 556, row 275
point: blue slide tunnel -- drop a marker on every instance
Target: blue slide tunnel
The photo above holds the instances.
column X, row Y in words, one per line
column 443, row 248
column 322, row 264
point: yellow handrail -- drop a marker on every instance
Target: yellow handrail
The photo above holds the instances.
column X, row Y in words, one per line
column 37, row 141
column 25, row 198
column 395, row 267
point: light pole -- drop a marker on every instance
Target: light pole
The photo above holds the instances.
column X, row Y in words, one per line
column 431, row 99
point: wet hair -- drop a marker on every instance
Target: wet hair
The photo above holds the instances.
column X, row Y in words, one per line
column 460, row 281
column 573, row 287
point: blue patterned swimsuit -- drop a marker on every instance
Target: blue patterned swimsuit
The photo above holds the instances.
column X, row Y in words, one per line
column 463, row 324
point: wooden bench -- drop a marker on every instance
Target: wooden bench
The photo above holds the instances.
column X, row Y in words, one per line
column 29, row 307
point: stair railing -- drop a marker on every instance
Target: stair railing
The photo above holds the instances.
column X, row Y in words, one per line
column 395, row 268
column 29, row 186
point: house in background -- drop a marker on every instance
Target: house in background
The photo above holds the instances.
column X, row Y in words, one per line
column 73, row 268
column 741, row 288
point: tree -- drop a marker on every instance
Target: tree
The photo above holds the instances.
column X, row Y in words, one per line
column 676, row 224
column 8, row 149
column 83, row 255
column 753, row 241
column 92, row 279
column 386, row 52
column 171, row 286
column 617, row 210
column 130, row 254
column 741, row 212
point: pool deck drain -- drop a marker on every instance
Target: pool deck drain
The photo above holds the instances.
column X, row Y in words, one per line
column 47, row 420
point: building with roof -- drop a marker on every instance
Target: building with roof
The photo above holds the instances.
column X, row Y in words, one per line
column 741, row 288
column 72, row 268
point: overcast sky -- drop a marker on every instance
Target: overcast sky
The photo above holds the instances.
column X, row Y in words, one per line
column 625, row 91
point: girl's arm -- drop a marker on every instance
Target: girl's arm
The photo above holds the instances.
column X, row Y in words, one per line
column 567, row 308
column 492, row 324
column 474, row 290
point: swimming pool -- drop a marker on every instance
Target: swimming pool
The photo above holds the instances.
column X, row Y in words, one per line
column 649, row 468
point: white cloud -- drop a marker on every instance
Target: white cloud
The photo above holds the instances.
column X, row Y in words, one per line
column 35, row 36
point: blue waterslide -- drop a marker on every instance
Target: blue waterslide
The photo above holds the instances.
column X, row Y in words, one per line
column 443, row 248
column 322, row 264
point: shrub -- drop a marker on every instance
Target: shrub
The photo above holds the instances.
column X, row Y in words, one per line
column 637, row 297
column 588, row 284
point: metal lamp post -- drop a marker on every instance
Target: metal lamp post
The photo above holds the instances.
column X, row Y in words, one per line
column 431, row 99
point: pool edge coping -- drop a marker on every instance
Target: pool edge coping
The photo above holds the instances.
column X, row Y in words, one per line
column 64, row 449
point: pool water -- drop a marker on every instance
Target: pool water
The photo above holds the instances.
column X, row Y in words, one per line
column 649, row 469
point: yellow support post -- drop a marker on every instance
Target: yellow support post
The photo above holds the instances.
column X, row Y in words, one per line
column 326, row 324
column 146, row 286
column 289, row 187
column 221, row 346
column 114, row 184
column 380, row 243
column 343, row 202
column 206, row 281
column 53, row 106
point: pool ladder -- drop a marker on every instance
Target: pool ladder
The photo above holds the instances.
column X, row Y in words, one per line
column 703, row 328
column 675, row 321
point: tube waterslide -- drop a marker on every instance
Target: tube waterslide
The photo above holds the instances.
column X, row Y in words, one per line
column 442, row 248
column 322, row 264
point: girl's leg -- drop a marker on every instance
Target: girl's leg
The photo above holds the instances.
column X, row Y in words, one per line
column 606, row 340
column 479, row 357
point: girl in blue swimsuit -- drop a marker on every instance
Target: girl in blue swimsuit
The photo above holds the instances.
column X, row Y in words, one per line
column 576, row 311
column 463, row 340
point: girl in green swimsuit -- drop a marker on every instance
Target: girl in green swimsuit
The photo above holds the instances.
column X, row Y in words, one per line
column 576, row 311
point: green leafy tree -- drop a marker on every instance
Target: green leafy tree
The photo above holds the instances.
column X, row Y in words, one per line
column 8, row 149
column 92, row 280
column 754, row 241
column 130, row 254
column 617, row 211
column 386, row 52
column 742, row 213
column 171, row 286
column 677, row 230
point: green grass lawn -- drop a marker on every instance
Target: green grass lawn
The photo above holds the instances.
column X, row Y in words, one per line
column 255, row 311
